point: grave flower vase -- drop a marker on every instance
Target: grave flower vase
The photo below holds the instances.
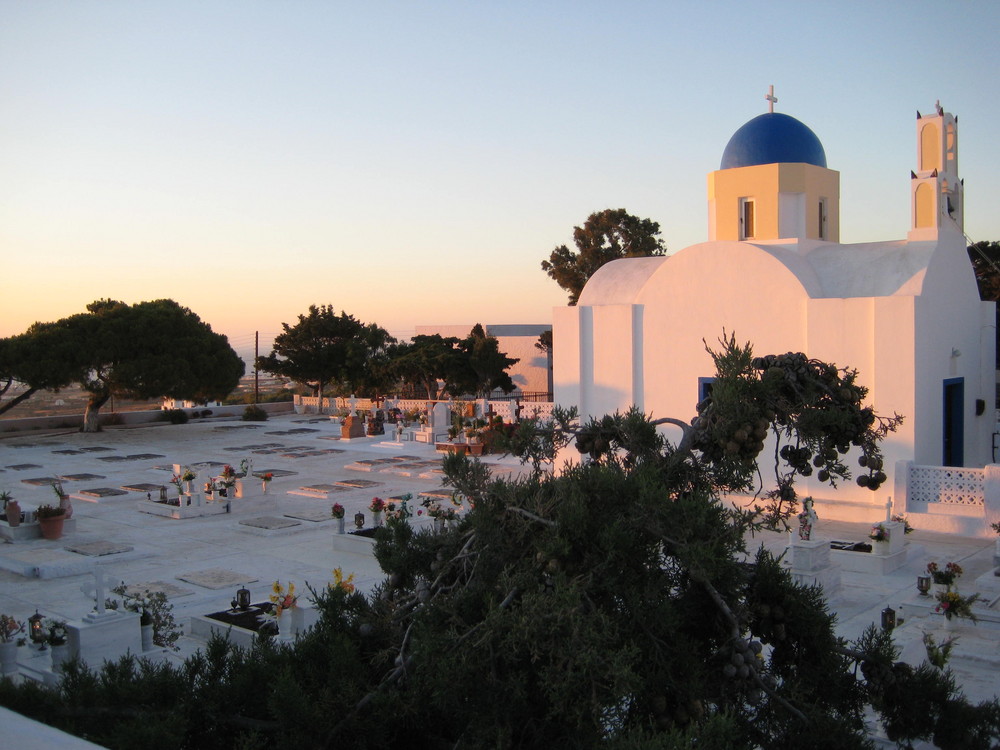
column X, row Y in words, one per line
column 881, row 548
column 66, row 505
column 376, row 518
column 949, row 624
column 439, row 525
column 341, row 526
column 8, row 657
column 264, row 486
column 13, row 513
column 52, row 528
column 286, row 627
column 147, row 637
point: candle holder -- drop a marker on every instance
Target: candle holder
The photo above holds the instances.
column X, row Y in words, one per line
column 242, row 600
column 359, row 520
column 888, row 618
column 923, row 584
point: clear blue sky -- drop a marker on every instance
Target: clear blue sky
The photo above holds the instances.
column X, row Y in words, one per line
column 413, row 162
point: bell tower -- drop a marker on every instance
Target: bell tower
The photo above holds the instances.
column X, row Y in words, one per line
column 935, row 189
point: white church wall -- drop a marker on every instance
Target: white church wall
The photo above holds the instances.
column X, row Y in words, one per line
column 955, row 339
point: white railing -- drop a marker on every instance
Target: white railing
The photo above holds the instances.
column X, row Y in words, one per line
column 946, row 485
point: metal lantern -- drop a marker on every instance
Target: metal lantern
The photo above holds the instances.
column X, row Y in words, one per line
column 243, row 599
column 359, row 520
column 923, row 584
column 888, row 618
column 36, row 631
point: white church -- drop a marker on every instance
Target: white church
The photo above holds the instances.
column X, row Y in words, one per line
column 906, row 313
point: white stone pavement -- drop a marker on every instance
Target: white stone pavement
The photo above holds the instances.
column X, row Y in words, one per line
column 44, row 575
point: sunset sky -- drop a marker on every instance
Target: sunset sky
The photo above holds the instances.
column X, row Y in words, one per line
column 414, row 162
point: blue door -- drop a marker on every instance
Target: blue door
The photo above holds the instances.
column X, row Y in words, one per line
column 954, row 422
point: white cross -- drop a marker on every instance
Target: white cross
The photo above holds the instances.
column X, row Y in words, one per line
column 771, row 99
column 96, row 589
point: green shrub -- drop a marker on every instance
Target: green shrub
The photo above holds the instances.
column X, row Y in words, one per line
column 177, row 416
column 254, row 413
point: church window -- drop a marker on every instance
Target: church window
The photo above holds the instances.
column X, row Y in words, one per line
column 821, row 228
column 746, row 219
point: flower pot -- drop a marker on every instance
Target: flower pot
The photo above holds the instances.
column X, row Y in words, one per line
column 8, row 657
column 286, row 626
column 147, row 637
column 13, row 513
column 52, row 528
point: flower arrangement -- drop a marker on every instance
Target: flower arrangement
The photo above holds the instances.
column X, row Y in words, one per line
column 228, row 475
column 282, row 599
column 995, row 527
column 337, row 510
column 879, row 533
column 58, row 489
column 433, row 507
column 344, row 584
column 50, row 511
column 245, row 465
column 907, row 529
column 377, row 505
column 951, row 573
column 9, row 629
column 403, row 511
column 58, row 634
column 177, row 481
column 267, row 476
column 952, row 604
column 188, row 475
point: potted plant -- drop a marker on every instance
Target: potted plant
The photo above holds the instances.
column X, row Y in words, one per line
column 50, row 520
column 880, row 535
column 944, row 578
column 10, row 629
column 63, row 496
column 338, row 512
column 58, row 640
column 954, row 606
column 11, row 508
column 376, row 506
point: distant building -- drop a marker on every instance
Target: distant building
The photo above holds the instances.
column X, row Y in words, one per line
column 906, row 314
column 533, row 374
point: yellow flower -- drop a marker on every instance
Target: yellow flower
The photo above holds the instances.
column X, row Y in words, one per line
column 340, row 582
column 276, row 588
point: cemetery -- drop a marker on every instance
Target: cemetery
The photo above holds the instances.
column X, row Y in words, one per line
column 202, row 557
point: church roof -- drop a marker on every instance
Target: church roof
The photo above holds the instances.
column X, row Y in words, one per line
column 773, row 138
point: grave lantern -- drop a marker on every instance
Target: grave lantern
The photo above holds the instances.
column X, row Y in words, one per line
column 923, row 584
column 243, row 598
column 359, row 520
column 888, row 618
column 36, row 631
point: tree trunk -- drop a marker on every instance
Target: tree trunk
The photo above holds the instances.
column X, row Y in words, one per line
column 91, row 418
column 8, row 405
column 319, row 390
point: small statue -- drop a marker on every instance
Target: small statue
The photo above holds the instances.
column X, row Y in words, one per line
column 807, row 519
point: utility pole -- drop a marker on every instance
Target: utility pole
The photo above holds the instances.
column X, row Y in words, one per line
column 256, row 372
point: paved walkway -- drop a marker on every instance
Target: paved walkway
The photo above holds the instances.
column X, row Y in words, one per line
column 204, row 560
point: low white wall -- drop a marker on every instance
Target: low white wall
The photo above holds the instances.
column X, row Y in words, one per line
column 75, row 421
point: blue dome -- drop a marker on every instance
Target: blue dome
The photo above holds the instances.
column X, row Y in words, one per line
column 773, row 138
